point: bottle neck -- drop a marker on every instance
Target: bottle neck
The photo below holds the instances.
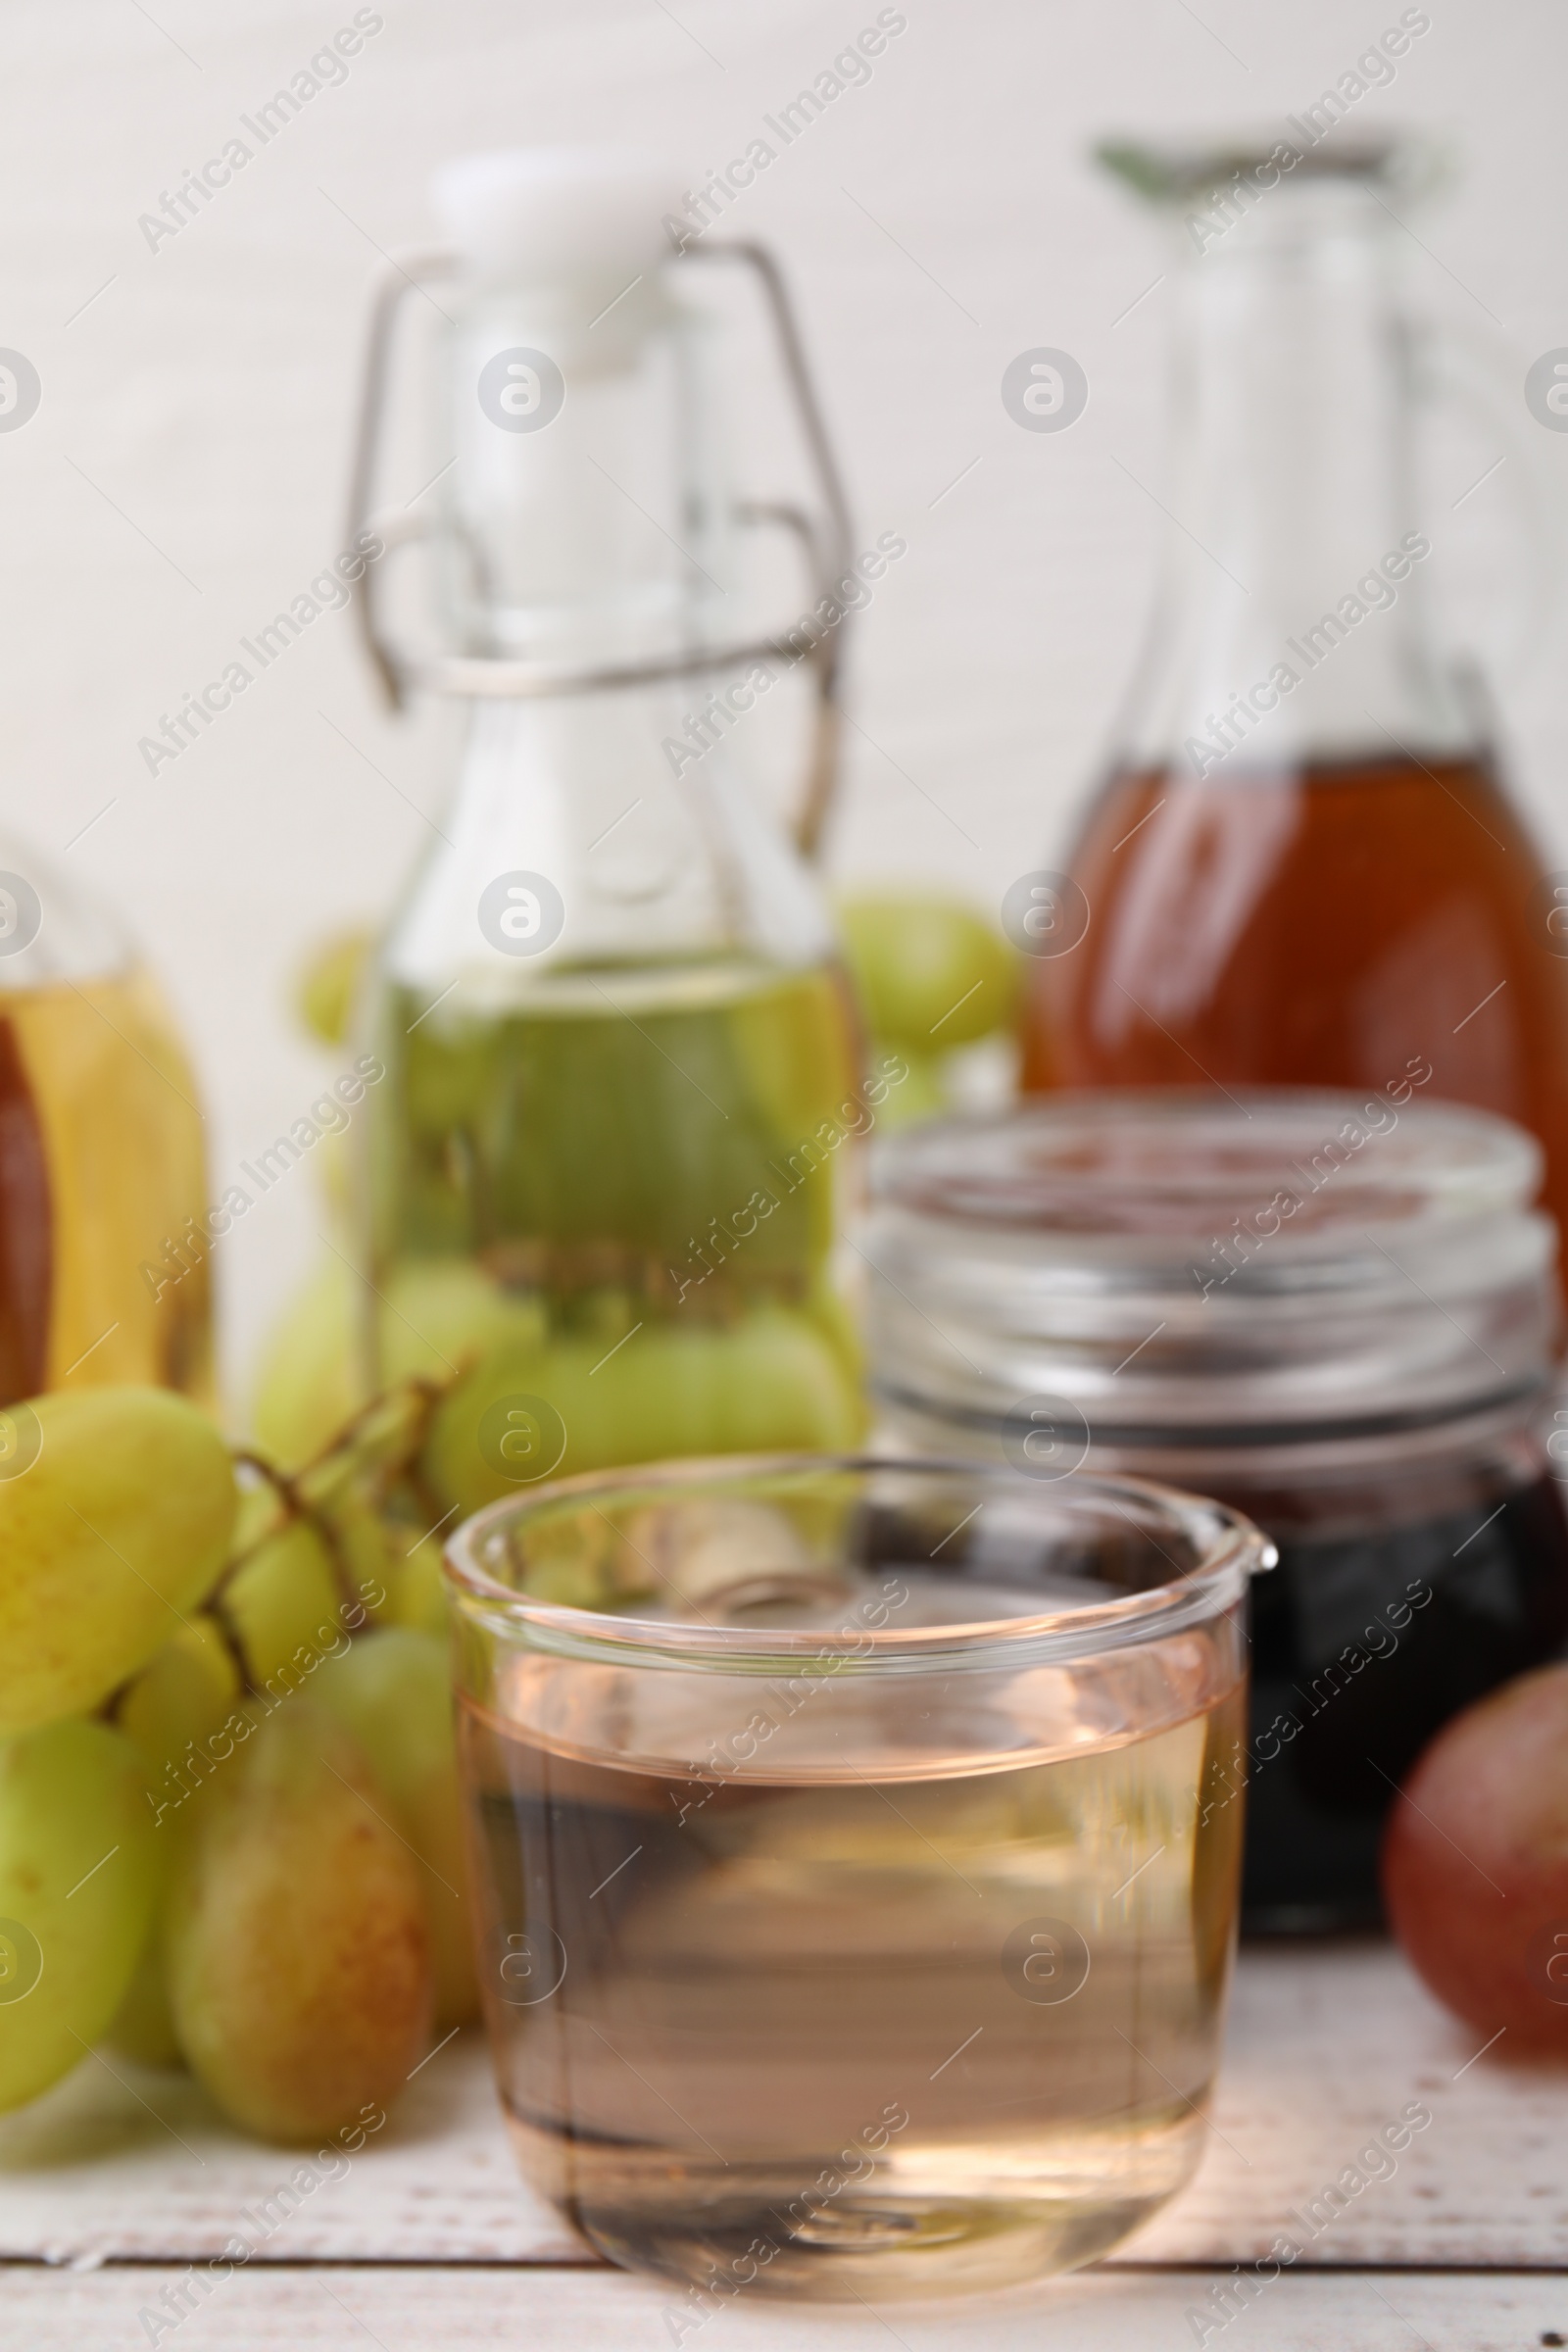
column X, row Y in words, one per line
column 1293, row 624
column 588, row 526
column 586, row 516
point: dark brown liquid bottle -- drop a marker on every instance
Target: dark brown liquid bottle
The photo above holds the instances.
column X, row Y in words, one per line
column 1303, row 868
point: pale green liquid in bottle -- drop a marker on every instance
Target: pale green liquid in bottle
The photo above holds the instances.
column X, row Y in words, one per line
column 631, row 1189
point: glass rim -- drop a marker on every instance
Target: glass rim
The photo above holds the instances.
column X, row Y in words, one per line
column 1230, row 1550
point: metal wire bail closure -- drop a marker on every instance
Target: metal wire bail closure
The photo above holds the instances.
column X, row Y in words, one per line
column 826, row 544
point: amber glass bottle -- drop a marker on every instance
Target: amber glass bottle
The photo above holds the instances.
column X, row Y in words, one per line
column 1302, row 866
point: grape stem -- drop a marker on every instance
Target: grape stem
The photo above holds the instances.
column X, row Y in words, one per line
column 374, row 1454
column 375, row 1451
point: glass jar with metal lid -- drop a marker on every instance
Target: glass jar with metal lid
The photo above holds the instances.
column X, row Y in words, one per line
column 1337, row 1313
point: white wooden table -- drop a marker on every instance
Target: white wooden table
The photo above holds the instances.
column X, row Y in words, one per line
column 113, row 2183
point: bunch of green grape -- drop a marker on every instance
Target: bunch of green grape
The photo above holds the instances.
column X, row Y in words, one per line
column 229, row 1823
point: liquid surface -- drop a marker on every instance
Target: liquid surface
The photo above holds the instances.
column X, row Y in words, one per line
column 101, row 1166
column 639, row 1163
column 845, row 2035
column 1331, row 928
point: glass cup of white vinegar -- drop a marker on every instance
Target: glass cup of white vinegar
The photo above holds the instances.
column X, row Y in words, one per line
column 856, row 1845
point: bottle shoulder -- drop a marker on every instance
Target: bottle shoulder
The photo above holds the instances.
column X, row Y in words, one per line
column 568, row 849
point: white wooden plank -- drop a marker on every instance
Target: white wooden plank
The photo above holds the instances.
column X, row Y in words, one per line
column 141, row 2164
column 1325, row 2048
column 337, row 2310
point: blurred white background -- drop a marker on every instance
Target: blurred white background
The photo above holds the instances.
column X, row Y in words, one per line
column 183, row 476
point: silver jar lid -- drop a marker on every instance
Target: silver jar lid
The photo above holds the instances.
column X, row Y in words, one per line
column 1254, row 1264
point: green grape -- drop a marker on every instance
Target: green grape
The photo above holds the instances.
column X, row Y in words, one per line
column 393, row 1690
column 344, row 1489
column 373, row 1448
column 416, row 1582
column 311, row 1380
column 261, row 1511
column 182, row 1692
column 919, row 1093
column 773, row 1381
column 175, row 1704
column 78, row 1876
column 455, row 1471
column 329, row 983
column 297, row 1950
column 436, row 1314
column 783, row 1389
column 352, row 1526
column 929, row 971
column 142, row 2027
column 179, row 1699
column 285, row 1604
column 112, row 1535
column 441, row 1311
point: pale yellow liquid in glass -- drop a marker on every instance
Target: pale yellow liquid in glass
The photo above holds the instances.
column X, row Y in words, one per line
column 758, row 1978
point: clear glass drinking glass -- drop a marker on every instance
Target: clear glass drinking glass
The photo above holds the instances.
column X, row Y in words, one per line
column 856, row 1848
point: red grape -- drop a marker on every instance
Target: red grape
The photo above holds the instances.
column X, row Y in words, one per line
column 1475, row 1863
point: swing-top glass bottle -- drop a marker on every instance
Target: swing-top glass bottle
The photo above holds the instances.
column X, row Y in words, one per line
column 617, row 1039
